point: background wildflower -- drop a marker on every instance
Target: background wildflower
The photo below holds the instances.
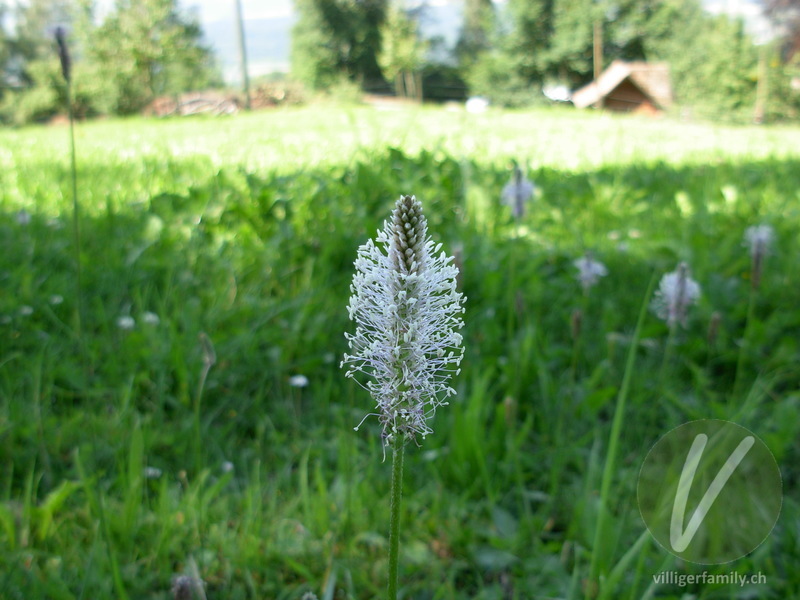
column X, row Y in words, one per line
column 759, row 239
column 298, row 381
column 676, row 292
column 407, row 313
column 517, row 193
column 126, row 322
column 589, row 271
column 23, row 217
column 152, row 472
column 150, row 318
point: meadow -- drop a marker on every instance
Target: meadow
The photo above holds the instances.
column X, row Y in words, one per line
column 176, row 407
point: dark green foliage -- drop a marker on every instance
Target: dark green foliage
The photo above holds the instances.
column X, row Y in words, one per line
column 145, row 49
column 713, row 64
column 335, row 39
column 476, row 32
column 442, row 83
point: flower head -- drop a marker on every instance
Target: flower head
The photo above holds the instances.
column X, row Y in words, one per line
column 63, row 53
column 589, row 271
column 676, row 292
column 759, row 238
column 126, row 322
column 407, row 312
column 152, row 472
column 23, row 217
column 184, row 586
column 517, row 193
column 300, row 381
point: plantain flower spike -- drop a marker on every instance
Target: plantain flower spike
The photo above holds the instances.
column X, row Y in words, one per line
column 676, row 292
column 759, row 238
column 63, row 53
column 589, row 271
column 407, row 314
column 518, row 192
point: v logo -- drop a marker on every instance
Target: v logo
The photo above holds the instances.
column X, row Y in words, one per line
column 678, row 537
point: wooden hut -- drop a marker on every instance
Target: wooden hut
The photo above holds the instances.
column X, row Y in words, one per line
column 639, row 87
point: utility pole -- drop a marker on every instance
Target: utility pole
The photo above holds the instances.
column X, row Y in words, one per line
column 242, row 53
column 597, row 55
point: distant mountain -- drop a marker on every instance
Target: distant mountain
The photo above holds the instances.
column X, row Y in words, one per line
column 267, row 42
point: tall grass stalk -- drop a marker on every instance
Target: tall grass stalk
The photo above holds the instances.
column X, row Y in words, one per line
column 209, row 358
column 76, row 230
column 95, row 498
column 745, row 345
column 613, row 442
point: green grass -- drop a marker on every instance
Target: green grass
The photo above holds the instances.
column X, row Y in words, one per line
column 239, row 234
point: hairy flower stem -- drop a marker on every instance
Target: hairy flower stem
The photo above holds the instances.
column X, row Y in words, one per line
column 666, row 360
column 577, row 332
column 398, row 444
column 511, row 325
column 65, row 71
column 744, row 346
column 76, row 226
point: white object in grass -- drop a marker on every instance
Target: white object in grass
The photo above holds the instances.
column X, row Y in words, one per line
column 589, row 271
column 676, row 292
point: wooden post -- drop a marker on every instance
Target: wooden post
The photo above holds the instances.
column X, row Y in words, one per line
column 597, row 55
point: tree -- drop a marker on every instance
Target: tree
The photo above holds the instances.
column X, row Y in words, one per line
column 786, row 15
column 629, row 29
column 402, row 53
column 148, row 48
column 713, row 62
column 476, row 32
column 568, row 57
column 531, row 34
column 4, row 49
column 512, row 70
column 785, row 72
column 335, row 39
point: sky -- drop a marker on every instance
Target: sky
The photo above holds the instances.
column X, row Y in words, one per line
column 211, row 11
column 218, row 10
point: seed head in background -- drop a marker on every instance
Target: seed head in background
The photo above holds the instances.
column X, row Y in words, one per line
column 677, row 291
column 589, row 271
column 518, row 192
column 407, row 314
column 759, row 239
column 63, row 53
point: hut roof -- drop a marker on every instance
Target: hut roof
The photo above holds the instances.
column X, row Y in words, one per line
column 651, row 78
